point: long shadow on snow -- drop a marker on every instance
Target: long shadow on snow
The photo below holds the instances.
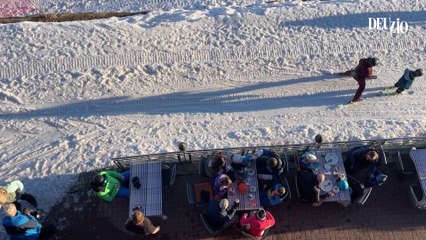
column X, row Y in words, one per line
column 359, row 20
column 229, row 100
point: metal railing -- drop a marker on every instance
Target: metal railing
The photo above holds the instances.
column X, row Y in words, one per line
column 393, row 144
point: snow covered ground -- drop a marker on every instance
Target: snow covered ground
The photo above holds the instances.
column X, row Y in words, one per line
column 213, row 74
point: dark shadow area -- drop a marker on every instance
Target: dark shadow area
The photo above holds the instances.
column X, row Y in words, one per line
column 359, row 20
column 237, row 99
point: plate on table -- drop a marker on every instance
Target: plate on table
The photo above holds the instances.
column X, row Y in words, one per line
column 252, row 189
column 331, row 158
column 327, row 166
column 250, row 172
column 251, row 196
column 326, row 186
column 336, row 189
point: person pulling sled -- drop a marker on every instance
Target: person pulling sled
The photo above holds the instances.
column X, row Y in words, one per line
column 360, row 73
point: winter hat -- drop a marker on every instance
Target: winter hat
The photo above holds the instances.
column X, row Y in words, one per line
column 224, row 204
column 418, row 72
column 261, row 214
column 343, row 185
column 311, row 157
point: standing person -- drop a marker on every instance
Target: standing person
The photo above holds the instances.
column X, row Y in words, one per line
column 108, row 184
column 309, row 190
column 23, row 226
column 404, row 83
column 140, row 224
column 15, row 191
column 360, row 73
column 258, row 222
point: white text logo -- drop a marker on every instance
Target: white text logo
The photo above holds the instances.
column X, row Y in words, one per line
column 393, row 26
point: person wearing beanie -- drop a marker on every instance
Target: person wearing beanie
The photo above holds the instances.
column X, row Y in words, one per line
column 363, row 71
column 258, row 222
column 219, row 213
column 404, row 83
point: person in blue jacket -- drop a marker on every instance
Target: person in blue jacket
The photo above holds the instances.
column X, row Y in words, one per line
column 272, row 196
column 404, row 83
column 23, row 226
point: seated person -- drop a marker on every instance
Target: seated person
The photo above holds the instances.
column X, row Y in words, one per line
column 140, row 224
column 217, row 165
column 23, row 225
column 269, row 165
column 273, row 195
column 108, row 184
column 14, row 191
column 308, row 162
column 218, row 213
column 220, row 186
column 308, row 185
column 258, row 222
column 362, row 162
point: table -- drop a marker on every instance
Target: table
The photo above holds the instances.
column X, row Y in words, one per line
column 342, row 197
column 245, row 202
column 149, row 196
column 419, row 158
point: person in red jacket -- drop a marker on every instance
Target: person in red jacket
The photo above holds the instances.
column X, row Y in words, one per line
column 258, row 222
column 360, row 73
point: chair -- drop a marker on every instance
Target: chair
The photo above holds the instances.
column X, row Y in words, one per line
column 296, row 162
column 416, row 196
column 297, row 186
column 382, row 155
column 210, row 229
column 168, row 174
column 202, row 167
column 359, row 193
column 254, row 237
column 285, row 184
column 405, row 163
column 194, row 193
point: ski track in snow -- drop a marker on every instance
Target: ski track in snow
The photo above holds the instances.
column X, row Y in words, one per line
column 74, row 95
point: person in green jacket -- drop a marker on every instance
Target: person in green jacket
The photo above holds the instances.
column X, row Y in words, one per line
column 108, row 184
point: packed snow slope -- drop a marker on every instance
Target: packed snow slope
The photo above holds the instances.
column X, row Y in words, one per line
column 76, row 94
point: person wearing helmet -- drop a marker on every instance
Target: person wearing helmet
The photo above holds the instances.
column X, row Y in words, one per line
column 406, row 80
column 360, row 73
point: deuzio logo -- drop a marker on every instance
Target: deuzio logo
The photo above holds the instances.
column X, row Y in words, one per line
column 393, row 26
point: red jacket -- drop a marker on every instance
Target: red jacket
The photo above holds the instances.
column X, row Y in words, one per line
column 257, row 226
column 363, row 70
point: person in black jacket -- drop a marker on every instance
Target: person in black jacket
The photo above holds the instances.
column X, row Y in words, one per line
column 269, row 166
column 218, row 213
column 140, row 224
column 308, row 186
column 359, row 158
